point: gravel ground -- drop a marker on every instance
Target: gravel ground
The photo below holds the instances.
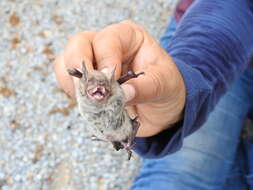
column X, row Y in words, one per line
column 43, row 143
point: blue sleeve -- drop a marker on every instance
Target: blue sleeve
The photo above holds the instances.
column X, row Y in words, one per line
column 212, row 46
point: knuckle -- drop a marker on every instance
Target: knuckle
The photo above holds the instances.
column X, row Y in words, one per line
column 81, row 36
column 88, row 32
column 76, row 36
column 130, row 22
column 98, row 38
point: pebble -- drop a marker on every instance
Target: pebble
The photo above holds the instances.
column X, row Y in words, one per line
column 40, row 29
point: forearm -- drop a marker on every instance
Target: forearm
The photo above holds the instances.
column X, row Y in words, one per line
column 211, row 47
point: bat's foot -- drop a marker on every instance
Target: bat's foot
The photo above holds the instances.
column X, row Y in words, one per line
column 129, row 75
column 128, row 142
column 129, row 151
column 117, row 145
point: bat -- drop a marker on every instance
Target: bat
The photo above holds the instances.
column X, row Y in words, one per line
column 101, row 104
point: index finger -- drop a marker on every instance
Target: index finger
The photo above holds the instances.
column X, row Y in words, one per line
column 117, row 44
column 78, row 49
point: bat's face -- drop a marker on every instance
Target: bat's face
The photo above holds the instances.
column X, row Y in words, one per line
column 93, row 87
column 97, row 87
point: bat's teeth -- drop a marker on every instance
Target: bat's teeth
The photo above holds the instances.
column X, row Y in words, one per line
column 103, row 90
column 98, row 93
column 99, row 89
column 98, row 96
column 94, row 90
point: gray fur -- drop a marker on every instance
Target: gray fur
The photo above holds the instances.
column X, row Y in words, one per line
column 107, row 119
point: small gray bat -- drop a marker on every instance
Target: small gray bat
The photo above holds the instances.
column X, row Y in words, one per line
column 101, row 103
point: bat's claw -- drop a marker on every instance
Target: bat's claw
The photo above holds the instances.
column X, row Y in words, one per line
column 138, row 74
column 129, row 148
column 129, row 154
column 117, row 145
column 129, row 75
column 128, row 142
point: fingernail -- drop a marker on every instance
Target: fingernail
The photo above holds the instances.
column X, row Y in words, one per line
column 129, row 91
column 105, row 70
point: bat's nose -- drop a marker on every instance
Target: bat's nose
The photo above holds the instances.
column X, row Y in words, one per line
column 101, row 89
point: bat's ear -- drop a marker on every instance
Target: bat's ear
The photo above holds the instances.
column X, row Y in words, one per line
column 84, row 70
column 112, row 76
column 75, row 73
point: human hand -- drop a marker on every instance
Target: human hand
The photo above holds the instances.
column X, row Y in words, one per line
column 157, row 98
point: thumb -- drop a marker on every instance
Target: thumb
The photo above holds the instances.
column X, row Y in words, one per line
column 150, row 87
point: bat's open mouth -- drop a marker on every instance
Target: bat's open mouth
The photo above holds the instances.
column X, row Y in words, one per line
column 98, row 93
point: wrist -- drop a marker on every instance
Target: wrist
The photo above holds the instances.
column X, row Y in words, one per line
column 175, row 93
